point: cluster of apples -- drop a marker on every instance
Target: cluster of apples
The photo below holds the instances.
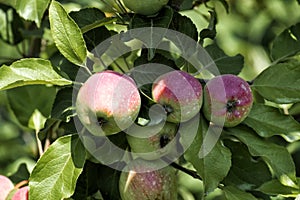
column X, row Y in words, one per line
column 9, row 192
column 110, row 102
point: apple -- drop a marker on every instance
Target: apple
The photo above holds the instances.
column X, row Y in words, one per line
column 21, row 194
column 108, row 102
column 142, row 180
column 228, row 100
column 5, row 187
column 145, row 7
column 179, row 93
column 152, row 142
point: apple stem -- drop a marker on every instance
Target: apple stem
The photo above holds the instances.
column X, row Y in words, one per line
column 121, row 6
column 21, row 184
column 39, row 144
column 143, row 93
column 87, row 69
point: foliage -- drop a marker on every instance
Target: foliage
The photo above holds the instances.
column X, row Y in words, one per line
column 45, row 44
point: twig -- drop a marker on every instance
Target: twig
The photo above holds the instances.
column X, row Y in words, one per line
column 21, row 184
column 192, row 173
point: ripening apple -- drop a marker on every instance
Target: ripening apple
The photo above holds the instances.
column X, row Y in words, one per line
column 108, row 102
column 227, row 100
column 161, row 140
column 21, row 194
column 145, row 7
column 5, row 187
column 142, row 180
column 179, row 93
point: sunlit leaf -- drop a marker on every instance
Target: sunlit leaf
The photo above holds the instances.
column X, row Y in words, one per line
column 226, row 64
column 30, row 71
column 280, row 83
column 233, row 193
column 216, row 164
column 62, row 107
column 37, row 121
column 268, row 121
column 55, row 174
column 246, row 172
column 30, row 9
column 277, row 157
column 66, row 34
column 286, row 44
column 274, row 187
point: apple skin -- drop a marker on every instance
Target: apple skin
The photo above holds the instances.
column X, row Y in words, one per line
column 21, row 194
column 228, row 99
column 180, row 93
column 143, row 181
column 161, row 142
column 145, row 7
column 5, row 187
column 108, row 102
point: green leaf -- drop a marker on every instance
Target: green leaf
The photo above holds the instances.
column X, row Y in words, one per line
column 246, row 172
column 32, row 10
column 87, row 16
column 163, row 20
column 226, row 64
column 30, row 71
column 225, row 5
column 11, row 26
column 210, row 31
column 110, row 50
column 286, row 44
column 280, row 83
column 62, row 107
column 295, row 109
column 175, row 4
column 105, row 150
column 92, row 23
column 68, row 69
column 144, row 74
column 274, row 187
column 214, row 167
column 66, row 34
column 25, row 100
column 56, row 173
column 21, row 172
column 233, row 193
column 87, row 182
column 184, row 25
column 37, row 121
column 109, row 184
column 268, row 121
column 277, row 157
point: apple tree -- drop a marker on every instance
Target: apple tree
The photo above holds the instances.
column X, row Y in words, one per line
column 160, row 99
